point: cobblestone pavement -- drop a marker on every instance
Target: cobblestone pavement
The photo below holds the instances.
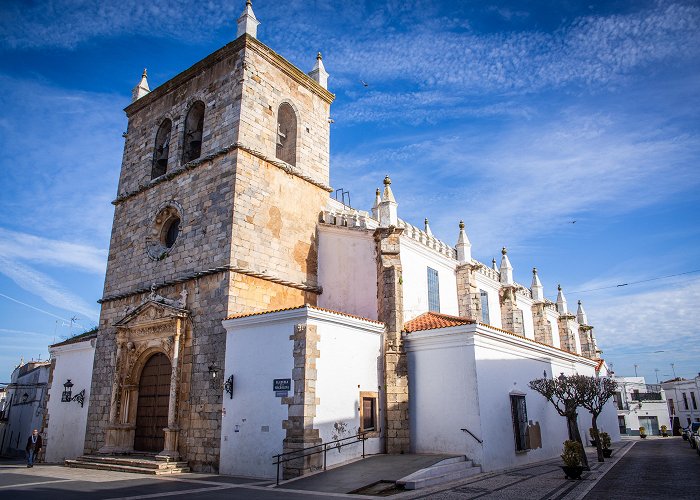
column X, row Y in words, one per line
column 542, row 481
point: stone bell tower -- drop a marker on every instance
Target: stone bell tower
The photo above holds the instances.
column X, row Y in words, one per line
column 224, row 172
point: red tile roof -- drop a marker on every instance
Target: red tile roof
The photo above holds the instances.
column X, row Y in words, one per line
column 433, row 320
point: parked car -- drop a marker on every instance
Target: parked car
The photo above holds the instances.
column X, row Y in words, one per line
column 693, row 432
column 685, row 432
column 696, row 438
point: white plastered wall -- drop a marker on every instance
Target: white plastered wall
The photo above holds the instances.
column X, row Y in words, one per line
column 347, row 271
column 415, row 260
column 350, row 363
column 68, row 420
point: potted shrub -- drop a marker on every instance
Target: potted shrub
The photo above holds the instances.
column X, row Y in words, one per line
column 642, row 432
column 664, row 431
column 572, row 460
column 605, row 443
column 594, row 436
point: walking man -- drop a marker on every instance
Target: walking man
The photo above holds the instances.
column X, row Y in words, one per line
column 33, row 447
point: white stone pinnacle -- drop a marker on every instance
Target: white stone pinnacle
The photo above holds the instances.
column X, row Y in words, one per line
column 319, row 73
column 142, row 88
column 388, row 214
column 506, row 268
column 248, row 23
column 536, row 288
column 375, row 207
column 463, row 246
column 427, row 228
column 562, row 307
column 581, row 315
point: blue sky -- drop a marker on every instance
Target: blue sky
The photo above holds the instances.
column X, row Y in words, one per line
column 516, row 117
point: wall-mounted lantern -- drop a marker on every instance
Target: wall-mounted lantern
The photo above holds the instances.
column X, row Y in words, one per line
column 67, row 395
column 213, row 371
column 67, row 392
column 228, row 386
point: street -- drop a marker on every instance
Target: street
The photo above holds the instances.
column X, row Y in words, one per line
column 652, row 468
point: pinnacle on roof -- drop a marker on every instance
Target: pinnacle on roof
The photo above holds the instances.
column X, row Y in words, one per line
column 248, row 23
column 581, row 315
column 562, row 307
column 319, row 73
column 506, row 268
column 375, row 207
column 142, row 88
column 536, row 288
column 493, row 264
column 427, row 228
column 388, row 215
column 464, row 246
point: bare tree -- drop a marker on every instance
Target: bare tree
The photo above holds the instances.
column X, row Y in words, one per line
column 596, row 392
column 565, row 393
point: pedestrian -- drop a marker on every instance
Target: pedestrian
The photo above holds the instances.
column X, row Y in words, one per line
column 33, row 447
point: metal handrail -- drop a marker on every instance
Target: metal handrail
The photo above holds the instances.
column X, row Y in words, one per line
column 472, row 435
column 360, row 437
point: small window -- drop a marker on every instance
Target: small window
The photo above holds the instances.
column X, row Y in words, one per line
column 622, row 424
column 162, row 149
column 286, row 134
column 618, row 401
column 484, row 297
column 171, row 233
column 194, row 127
column 695, row 403
column 685, row 401
column 368, row 412
column 433, row 291
column 671, row 408
column 518, row 410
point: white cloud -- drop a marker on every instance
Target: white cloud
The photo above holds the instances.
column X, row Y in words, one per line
column 26, row 247
column 45, row 287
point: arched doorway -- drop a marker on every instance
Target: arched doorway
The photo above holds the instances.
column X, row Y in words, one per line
column 152, row 407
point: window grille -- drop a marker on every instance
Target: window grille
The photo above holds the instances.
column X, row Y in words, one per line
column 433, row 291
column 484, row 297
column 519, row 413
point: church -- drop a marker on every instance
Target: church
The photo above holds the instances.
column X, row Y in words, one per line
column 246, row 314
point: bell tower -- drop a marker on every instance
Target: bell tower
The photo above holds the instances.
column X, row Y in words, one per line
column 224, row 172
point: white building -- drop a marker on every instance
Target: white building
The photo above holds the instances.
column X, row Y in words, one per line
column 641, row 405
column 25, row 405
column 69, row 393
column 470, row 337
column 682, row 397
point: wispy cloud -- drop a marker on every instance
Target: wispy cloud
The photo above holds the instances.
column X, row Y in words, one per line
column 30, row 248
column 45, row 287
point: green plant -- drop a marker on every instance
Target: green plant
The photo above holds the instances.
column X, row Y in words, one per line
column 605, row 440
column 572, row 453
column 642, row 431
column 664, row 431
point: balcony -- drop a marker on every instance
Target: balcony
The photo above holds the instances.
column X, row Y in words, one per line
column 646, row 396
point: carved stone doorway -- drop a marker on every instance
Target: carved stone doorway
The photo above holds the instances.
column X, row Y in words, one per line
column 152, row 405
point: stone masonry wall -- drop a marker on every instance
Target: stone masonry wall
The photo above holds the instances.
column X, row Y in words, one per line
column 390, row 306
column 543, row 328
column 300, row 432
column 468, row 295
column 568, row 328
column 511, row 315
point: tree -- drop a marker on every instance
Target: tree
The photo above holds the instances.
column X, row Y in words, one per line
column 565, row 393
column 596, row 392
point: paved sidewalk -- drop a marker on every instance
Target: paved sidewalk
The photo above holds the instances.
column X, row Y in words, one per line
column 541, row 481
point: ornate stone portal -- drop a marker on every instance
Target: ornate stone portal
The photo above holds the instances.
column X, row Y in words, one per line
column 156, row 326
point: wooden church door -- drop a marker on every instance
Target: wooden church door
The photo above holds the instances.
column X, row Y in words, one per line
column 152, row 408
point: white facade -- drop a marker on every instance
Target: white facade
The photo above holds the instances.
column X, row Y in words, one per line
column 259, row 350
column 683, row 401
column 641, row 405
column 461, row 379
column 65, row 432
column 25, row 405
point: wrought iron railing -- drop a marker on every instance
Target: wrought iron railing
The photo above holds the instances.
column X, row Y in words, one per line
column 319, row 448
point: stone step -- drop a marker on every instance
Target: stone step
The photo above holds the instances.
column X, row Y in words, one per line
column 79, row 464
column 130, row 460
column 442, row 472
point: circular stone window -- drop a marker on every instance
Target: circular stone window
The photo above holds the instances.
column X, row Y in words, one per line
column 165, row 232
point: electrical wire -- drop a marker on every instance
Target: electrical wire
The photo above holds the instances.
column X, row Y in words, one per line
column 635, row 282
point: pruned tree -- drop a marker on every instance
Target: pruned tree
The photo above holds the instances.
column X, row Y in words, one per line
column 596, row 392
column 565, row 393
